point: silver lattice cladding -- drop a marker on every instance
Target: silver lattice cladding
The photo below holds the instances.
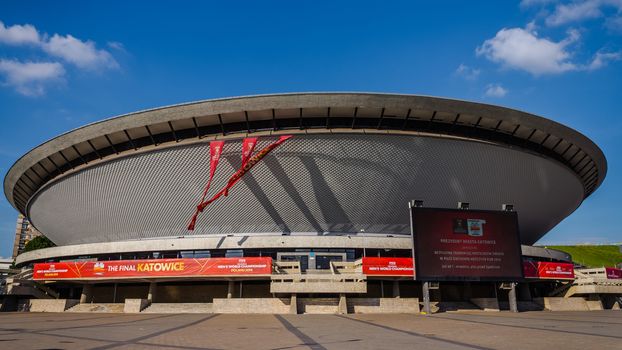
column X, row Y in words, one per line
column 324, row 183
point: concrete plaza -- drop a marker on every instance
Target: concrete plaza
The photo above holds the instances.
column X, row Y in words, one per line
column 479, row 330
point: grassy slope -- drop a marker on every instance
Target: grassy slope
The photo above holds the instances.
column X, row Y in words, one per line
column 593, row 255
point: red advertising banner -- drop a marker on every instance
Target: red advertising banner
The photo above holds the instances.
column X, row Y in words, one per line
column 388, row 266
column 248, row 165
column 153, row 268
column 248, row 145
column 548, row 270
column 466, row 245
column 613, row 273
column 215, row 150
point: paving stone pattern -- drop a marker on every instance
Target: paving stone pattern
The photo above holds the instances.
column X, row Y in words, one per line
column 461, row 330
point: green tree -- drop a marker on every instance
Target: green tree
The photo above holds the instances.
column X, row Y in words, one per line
column 38, row 242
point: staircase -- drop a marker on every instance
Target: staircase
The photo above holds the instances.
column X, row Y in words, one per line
column 342, row 277
column 23, row 284
column 108, row 308
column 590, row 281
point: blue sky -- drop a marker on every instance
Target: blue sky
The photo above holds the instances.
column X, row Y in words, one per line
column 65, row 64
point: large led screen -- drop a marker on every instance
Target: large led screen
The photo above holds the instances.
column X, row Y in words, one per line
column 466, row 245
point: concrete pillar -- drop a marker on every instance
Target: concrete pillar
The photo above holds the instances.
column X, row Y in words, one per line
column 396, row 289
column 293, row 305
column 230, row 290
column 426, row 298
column 87, row 294
column 343, row 304
column 512, row 298
column 152, row 292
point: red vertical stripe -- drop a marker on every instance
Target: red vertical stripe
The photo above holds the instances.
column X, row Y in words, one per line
column 252, row 161
column 215, row 150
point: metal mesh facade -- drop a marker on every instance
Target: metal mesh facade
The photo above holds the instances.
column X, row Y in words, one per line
column 319, row 184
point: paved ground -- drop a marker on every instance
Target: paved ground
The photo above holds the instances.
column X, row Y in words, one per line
column 475, row 330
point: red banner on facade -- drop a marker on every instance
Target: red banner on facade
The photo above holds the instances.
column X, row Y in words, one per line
column 613, row 273
column 152, row 268
column 248, row 145
column 548, row 270
column 252, row 161
column 388, row 266
column 215, row 150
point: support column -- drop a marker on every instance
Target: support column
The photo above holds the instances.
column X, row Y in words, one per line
column 343, row 304
column 396, row 289
column 152, row 292
column 293, row 305
column 230, row 290
column 87, row 294
column 426, row 298
column 512, row 298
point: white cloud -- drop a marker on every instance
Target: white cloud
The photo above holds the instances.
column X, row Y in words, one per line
column 19, row 34
column 83, row 54
column 522, row 49
column 496, row 90
column 116, row 45
column 467, row 72
column 528, row 3
column 29, row 78
column 576, row 11
column 601, row 59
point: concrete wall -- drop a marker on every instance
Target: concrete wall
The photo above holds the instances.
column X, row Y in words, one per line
column 568, row 304
column 313, row 305
column 318, row 305
column 252, row 306
column 51, row 305
column 135, row 305
column 383, row 305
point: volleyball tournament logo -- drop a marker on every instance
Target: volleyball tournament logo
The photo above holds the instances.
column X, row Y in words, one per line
column 471, row 227
column 99, row 268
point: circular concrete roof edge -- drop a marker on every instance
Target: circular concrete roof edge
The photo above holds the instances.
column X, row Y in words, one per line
column 295, row 101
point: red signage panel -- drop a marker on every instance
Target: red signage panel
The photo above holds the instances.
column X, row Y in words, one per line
column 613, row 273
column 388, row 266
column 548, row 270
column 466, row 245
column 153, row 268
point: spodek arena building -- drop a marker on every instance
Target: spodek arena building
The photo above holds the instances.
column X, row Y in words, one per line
column 317, row 220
